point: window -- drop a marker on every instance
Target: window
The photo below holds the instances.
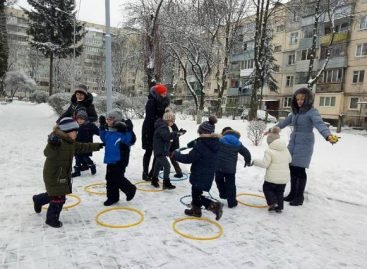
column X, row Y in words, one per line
column 291, row 59
column 361, row 49
column 358, row 76
column 353, row 103
column 277, row 48
column 306, row 54
column 248, row 64
column 289, row 82
column 287, row 102
column 280, row 28
column 333, row 75
column 327, row 101
column 363, row 24
column 293, row 38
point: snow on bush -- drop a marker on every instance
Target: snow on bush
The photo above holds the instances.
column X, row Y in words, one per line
column 38, row 97
column 255, row 131
column 60, row 102
column 16, row 81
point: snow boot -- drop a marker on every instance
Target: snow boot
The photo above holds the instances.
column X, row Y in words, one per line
column 195, row 211
column 84, row 167
column 217, row 209
column 300, row 188
column 155, row 182
column 167, row 185
column 93, row 169
column 146, row 177
column 76, row 172
column 39, row 200
column 109, row 202
column 178, row 175
column 130, row 195
column 53, row 214
column 294, row 183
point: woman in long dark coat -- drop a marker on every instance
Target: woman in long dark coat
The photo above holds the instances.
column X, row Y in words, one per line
column 81, row 100
column 154, row 109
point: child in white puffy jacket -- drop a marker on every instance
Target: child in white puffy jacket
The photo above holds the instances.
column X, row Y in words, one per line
column 276, row 161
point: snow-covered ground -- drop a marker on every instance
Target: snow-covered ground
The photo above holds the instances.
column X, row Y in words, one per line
column 328, row 231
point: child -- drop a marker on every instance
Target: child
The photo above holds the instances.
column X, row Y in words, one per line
column 59, row 154
column 203, row 157
column 175, row 144
column 85, row 134
column 229, row 147
column 276, row 161
column 161, row 145
column 118, row 139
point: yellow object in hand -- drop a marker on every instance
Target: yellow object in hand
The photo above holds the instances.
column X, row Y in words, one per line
column 333, row 139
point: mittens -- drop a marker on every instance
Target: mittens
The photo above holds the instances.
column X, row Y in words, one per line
column 54, row 140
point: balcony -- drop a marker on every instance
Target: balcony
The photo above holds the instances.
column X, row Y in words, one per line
column 329, row 87
column 338, row 37
column 233, row 91
column 302, row 66
column 306, row 43
column 237, row 57
column 335, row 62
column 246, row 72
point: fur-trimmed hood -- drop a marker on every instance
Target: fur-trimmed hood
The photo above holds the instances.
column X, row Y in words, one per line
column 231, row 137
column 86, row 102
column 307, row 105
column 62, row 135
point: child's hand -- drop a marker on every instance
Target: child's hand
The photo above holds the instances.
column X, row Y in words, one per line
column 121, row 127
column 54, row 140
column 182, row 131
column 101, row 145
column 102, row 122
column 249, row 164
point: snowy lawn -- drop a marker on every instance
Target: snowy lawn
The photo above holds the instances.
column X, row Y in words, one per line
column 328, row 231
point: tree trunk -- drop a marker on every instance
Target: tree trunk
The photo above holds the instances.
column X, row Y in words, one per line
column 51, row 74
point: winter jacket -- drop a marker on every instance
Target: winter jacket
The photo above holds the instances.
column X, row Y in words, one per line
column 162, row 138
column 114, row 143
column 276, row 161
column 302, row 138
column 229, row 147
column 154, row 109
column 175, row 144
column 204, row 157
column 86, row 132
column 58, row 164
column 75, row 106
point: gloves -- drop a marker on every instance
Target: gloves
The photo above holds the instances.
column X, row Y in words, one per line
column 101, row 145
column 133, row 137
column 333, row 139
column 54, row 140
column 249, row 164
column 121, row 127
column 102, row 122
column 129, row 125
column 182, row 131
column 191, row 144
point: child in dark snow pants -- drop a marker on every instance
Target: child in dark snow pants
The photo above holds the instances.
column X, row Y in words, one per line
column 229, row 147
column 59, row 153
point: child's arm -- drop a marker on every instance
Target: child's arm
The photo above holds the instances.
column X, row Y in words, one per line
column 265, row 162
column 246, row 154
column 95, row 129
column 87, row 147
column 191, row 157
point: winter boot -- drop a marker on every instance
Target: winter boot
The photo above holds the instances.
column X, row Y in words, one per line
column 298, row 198
column 178, row 175
column 294, row 183
column 130, row 195
column 109, row 202
column 155, row 182
column 53, row 214
column 216, row 208
column 195, row 211
column 76, row 172
column 146, row 177
column 84, row 167
column 167, row 185
column 36, row 205
column 93, row 169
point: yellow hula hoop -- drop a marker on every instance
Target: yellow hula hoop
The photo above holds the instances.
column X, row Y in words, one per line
column 147, row 190
column 220, row 233
column 120, row 226
column 251, row 205
column 86, row 188
column 71, row 205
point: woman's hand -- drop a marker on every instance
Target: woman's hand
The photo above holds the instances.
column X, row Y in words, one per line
column 333, row 139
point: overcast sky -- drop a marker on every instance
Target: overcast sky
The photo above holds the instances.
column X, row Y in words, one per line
column 94, row 10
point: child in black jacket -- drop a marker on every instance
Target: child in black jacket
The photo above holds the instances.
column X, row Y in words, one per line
column 85, row 135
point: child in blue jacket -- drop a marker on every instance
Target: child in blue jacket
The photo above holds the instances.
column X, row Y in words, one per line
column 203, row 157
column 118, row 137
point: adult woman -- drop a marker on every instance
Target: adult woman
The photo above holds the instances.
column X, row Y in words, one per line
column 154, row 109
column 81, row 99
column 304, row 118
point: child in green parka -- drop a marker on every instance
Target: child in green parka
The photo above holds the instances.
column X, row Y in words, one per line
column 59, row 153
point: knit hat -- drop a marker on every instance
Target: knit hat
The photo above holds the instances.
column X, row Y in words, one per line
column 82, row 88
column 273, row 135
column 82, row 114
column 169, row 115
column 115, row 115
column 160, row 89
column 208, row 127
column 67, row 125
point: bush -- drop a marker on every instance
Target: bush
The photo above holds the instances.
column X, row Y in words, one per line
column 60, row 102
column 38, row 97
column 255, row 131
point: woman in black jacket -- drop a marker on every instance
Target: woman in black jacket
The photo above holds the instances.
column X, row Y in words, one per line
column 81, row 99
column 154, row 109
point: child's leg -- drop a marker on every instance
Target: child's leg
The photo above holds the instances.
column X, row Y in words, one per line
column 195, row 210
column 54, row 210
column 78, row 166
column 156, row 169
column 112, row 178
column 90, row 164
column 126, row 186
column 279, row 192
column 270, row 196
column 166, row 171
column 230, row 187
column 146, row 161
column 219, row 180
column 177, row 167
column 39, row 200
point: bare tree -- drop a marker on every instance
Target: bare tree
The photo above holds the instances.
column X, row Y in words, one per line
column 255, row 131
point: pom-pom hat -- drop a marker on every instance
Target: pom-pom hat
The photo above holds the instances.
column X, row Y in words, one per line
column 208, row 127
column 68, row 125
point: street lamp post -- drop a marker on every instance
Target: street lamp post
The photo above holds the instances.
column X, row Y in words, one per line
column 108, row 58
column 74, row 45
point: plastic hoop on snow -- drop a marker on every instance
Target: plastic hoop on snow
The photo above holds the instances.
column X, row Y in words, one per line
column 185, row 204
column 253, row 195
column 86, row 188
column 185, row 176
column 220, row 228
column 147, row 190
column 71, row 205
column 120, row 226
